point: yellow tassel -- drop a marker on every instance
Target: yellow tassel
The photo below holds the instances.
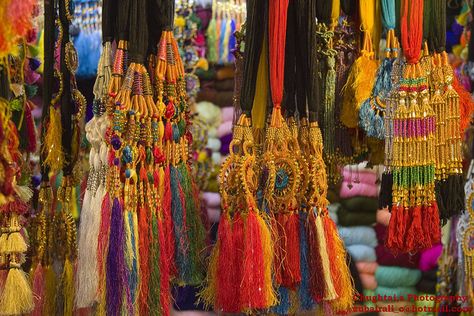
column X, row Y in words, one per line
column 16, row 243
column 68, row 287
column 53, row 138
column 49, row 307
column 3, row 242
column 336, row 10
column 208, row 293
column 267, row 246
column 358, row 88
column 330, row 291
column 73, row 204
column 261, row 94
column 17, row 297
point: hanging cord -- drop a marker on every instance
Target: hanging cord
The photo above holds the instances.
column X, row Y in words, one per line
column 109, row 20
column 438, row 26
column 253, row 46
column 411, row 26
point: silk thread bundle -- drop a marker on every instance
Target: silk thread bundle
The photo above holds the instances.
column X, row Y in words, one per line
column 372, row 110
column 362, row 75
column 414, row 211
column 89, row 282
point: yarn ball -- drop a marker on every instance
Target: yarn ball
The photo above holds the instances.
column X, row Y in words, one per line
column 367, row 267
column 224, row 129
column 383, row 216
column 214, row 144
column 347, row 218
column 216, row 158
column 364, row 235
column 397, row 292
column 429, row 258
column 368, row 281
column 225, row 142
column 209, row 113
column 351, row 189
column 397, row 276
column 227, row 114
column 386, row 258
column 362, row 253
column 360, row 204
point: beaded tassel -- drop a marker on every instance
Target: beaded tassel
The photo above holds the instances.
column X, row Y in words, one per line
column 414, row 210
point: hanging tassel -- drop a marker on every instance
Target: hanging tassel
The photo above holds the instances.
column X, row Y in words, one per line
column 268, row 248
column 15, row 243
column 316, row 279
column 102, row 246
column 291, row 274
column 340, row 272
column 358, row 87
column 38, row 290
column 326, row 264
column 226, row 287
column 144, row 241
column 385, row 195
column 49, row 307
column 179, row 226
column 253, row 282
column 306, row 301
column 195, row 229
column 54, row 157
column 466, row 104
column 168, row 220
column 115, row 265
column 154, row 285
column 16, row 297
column 67, row 287
column 283, row 307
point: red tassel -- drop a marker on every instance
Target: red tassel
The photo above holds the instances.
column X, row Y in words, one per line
column 466, row 105
column 38, row 290
column 168, row 222
column 392, row 240
column 143, row 248
column 291, row 276
column 415, row 239
column 226, row 290
column 403, row 224
column 238, row 242
column 165, row 264
column 434, row 228
column 317, row 287
column 253, row 282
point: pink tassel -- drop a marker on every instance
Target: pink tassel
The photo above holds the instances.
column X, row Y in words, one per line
column 38, row 290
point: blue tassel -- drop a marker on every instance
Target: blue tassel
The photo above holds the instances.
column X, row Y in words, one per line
column 283, row 306
column 177, row 214
column 232, row 41
column 306, row 301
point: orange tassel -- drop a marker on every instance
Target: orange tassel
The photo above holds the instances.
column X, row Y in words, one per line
column 415, row 239
column 340, row 273
column 466, row 104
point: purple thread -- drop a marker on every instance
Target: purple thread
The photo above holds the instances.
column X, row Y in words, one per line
column 115, row 265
